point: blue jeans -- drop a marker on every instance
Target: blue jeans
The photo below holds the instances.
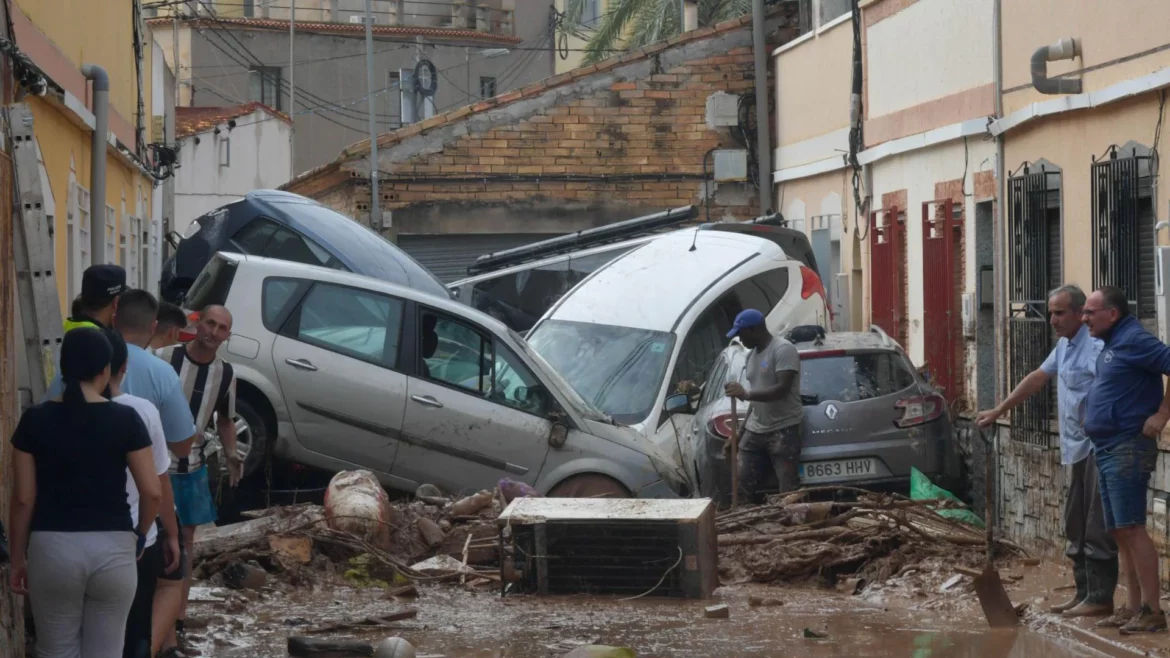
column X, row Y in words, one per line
column 1124, row 474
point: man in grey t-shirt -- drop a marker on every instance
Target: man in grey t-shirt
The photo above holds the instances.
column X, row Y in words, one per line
column 771, row 437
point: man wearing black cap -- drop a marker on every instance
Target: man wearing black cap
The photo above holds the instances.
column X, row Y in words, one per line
column 771, row 439
column 101, row 285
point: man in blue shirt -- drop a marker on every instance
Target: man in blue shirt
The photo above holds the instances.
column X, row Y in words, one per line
column 1073, row 363
column 1125, row 413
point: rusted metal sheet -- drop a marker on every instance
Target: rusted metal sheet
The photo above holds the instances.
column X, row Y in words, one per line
column 886, row 271
column 941, row 312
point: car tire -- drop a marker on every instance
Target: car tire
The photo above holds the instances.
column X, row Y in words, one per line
column 589, row 485
column 259, row 435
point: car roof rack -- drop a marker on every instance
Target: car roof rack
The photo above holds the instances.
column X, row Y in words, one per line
column 618, row 231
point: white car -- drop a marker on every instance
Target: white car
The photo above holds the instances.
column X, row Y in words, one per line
column 628, row 335
column 341, row 371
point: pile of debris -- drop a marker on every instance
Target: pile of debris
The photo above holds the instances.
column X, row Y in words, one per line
column 360, row 536
column 874, row 538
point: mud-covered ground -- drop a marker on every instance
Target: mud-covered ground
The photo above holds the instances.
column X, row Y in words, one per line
column 909, row 617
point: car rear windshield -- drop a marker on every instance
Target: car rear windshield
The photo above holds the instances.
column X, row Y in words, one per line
column 211, row 286
column 852, row 377
column 618, row 370
column 519, row 299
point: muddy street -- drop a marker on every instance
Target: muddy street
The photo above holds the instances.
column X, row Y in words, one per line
column 456, row 623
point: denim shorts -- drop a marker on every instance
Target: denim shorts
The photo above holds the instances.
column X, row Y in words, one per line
column 193, row 497
column 1124, row 474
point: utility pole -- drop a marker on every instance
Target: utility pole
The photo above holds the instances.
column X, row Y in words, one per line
column 763, row 134
column 292, row 91
column 375, row 210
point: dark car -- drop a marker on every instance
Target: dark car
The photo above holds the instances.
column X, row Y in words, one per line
column 869, row 416
column 291, row 227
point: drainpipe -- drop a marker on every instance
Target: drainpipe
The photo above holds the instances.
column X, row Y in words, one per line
column 763, row 134
column 97, row 168
column 1063, row 49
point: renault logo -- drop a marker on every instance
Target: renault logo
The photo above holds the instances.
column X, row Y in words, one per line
column 831, row 411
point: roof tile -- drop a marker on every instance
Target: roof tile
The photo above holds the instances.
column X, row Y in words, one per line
column 194, row 120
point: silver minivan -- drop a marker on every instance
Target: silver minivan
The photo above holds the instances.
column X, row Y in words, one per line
column 342, row 371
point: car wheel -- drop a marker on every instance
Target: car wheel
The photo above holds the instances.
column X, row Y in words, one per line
column 253, row 436
column 589, row 485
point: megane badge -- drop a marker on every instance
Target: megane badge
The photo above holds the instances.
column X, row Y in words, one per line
column 831, row 411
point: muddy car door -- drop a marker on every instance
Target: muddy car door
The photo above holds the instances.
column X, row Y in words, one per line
column 337, row 357
column 475, row 412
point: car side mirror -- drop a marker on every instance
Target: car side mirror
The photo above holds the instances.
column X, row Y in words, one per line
column 678, row 404
column 558, row 435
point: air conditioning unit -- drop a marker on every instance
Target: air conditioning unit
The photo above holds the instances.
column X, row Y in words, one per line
column 361, row 20
column 612, row 546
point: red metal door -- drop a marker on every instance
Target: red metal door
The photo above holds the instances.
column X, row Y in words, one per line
column 885, row 257
column 941, row 320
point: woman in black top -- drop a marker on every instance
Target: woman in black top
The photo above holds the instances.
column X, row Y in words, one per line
column 73, row 545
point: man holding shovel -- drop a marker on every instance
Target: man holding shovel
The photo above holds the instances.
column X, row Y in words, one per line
column 1073, row 363
column 771, row 438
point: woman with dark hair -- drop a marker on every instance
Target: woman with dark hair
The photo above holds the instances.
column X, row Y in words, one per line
column 73, row 544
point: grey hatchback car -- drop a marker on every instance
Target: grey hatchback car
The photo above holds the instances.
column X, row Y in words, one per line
column 869, row 417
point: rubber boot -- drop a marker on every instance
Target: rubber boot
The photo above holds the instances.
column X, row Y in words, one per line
column 1102, row 582
column 1081, row 577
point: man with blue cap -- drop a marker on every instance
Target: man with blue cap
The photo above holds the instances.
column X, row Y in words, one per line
column 771, row 437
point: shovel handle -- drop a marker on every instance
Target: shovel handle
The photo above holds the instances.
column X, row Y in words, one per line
column 988, row 495
column 734, row 456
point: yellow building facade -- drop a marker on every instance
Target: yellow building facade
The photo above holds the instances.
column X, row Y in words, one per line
column 60, row 36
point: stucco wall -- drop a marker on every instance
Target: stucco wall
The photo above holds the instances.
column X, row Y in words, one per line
column 259, row 154
column 66, row 152
column 813, row 97
column 1070, row 141
column 945, row 43
column 1107, row 31
column 99, row 33
column 918, row 173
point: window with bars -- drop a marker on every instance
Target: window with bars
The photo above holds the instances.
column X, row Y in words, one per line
column 1034, row 269
column 1123, row 225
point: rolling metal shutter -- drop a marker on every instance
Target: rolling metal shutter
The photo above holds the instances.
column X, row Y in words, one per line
column 448, row 256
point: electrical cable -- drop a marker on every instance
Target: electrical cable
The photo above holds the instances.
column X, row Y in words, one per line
column 856, row 138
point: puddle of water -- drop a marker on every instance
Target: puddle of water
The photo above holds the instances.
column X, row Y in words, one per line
column 459, row 624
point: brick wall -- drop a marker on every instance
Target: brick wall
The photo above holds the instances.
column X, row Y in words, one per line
column 581, row 149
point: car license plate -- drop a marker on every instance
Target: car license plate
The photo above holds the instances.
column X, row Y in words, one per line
column 845, row 469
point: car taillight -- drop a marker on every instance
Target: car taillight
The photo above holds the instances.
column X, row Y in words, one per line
column 720, row 424
column 810, row 283
column 920, row 409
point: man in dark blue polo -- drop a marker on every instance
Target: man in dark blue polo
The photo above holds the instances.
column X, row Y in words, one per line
column 1125, row 413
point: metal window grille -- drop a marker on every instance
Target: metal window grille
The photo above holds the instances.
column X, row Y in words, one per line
column 1033, row 237
column 1123, row 226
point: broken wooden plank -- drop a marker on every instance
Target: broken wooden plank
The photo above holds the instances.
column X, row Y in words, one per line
column 239, row 536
